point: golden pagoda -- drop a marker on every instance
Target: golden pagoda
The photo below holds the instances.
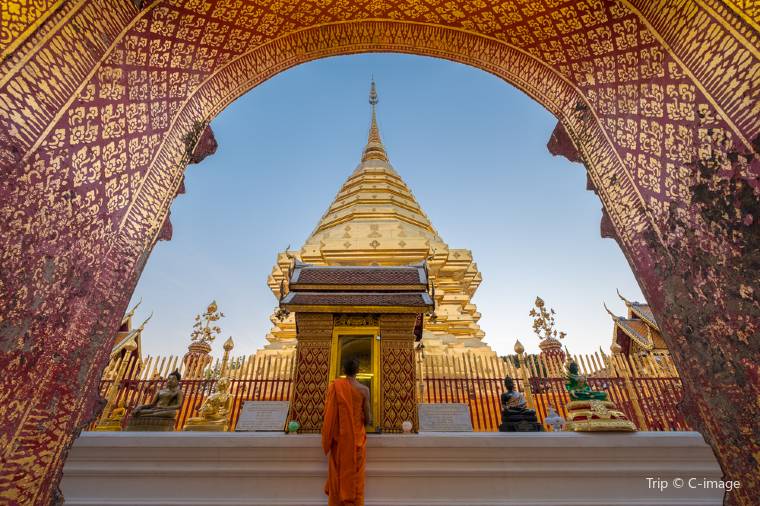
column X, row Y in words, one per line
column 375, row 220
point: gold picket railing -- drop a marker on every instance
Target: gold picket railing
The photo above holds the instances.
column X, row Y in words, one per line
column 252, row 378
column 647, row 388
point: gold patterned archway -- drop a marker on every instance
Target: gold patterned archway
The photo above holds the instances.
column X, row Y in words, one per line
column 543, row 83
column 102, row 105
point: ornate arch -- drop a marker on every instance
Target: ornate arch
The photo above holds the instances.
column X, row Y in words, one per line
column 540, row 81
column 102, row 106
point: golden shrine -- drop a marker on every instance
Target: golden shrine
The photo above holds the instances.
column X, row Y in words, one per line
column 375, row 220
column 372, row 314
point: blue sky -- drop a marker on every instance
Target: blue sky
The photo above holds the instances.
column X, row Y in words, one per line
column 471, row 147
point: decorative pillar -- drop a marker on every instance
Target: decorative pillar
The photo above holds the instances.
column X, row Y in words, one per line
column 314, row 334
column 228, row 345
column 397, row 376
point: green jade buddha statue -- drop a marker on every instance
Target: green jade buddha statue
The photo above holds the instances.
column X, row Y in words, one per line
column 578, row 387
column 589, row 410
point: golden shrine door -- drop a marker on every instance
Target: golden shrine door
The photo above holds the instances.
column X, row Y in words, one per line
column 362, row 343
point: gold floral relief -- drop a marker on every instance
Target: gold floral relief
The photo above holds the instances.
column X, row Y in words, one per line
column 99, row 123
column 20, row 18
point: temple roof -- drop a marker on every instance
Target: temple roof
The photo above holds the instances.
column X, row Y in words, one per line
column 638, row 326
column 641, row 310
column 636, row 330
column 306, row 277
column 359, row 302
column 132, row 336
column 130, row 313
column 400, row 289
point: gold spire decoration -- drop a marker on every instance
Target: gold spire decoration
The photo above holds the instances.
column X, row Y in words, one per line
column 374, row 150
column 203, row 331
column 543, row 321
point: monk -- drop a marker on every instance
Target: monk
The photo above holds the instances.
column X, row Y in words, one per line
column 344, row 438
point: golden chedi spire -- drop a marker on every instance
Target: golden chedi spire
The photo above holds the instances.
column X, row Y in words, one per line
column 374, row 150
column 375, row 219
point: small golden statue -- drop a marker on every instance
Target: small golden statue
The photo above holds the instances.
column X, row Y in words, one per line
column 590, row 410
column 160, row 414
column 212, row 415
column 112, row 423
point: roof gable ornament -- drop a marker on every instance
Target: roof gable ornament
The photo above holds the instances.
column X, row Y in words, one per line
column 142, row 325
column 641, row 310
column 132, row 336
column 613, row 315
column 624, row 324
column 131, row 313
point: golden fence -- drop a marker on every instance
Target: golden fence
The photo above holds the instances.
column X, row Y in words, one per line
column 647, row 388
column 251, row 379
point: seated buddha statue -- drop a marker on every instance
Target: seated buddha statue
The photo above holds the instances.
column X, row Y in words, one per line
column 515, row 415
column 160, row 413
column 112, row 422
column 590, row 410
column 577, row 385
column 213, row 413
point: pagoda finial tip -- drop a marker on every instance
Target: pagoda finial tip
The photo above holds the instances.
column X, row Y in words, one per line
column 374, row 150
column 373, row 93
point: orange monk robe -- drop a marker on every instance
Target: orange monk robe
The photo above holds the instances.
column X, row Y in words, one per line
column 344, row 442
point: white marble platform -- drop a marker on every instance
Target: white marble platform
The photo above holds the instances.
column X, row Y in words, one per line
column 475, row 469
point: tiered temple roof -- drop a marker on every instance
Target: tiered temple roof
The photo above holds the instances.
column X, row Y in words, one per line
column 375, row 220
column 125, row 335
column 638, row 332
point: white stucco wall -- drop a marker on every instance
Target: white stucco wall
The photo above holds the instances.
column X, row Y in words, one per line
column 475, row 469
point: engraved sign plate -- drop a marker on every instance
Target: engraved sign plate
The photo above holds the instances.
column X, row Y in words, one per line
column 444, row 417
column 262, row 416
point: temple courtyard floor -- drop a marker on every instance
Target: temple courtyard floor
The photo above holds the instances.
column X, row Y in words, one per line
column 474, row 469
